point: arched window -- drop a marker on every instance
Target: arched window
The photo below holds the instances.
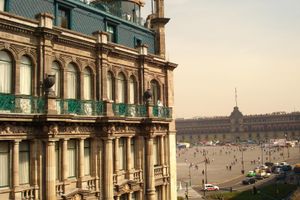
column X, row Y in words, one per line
column 72, row 82
column 132, row 90
column 5, row 72
column 25, row 75
column 56, row 72
column 121, row 88
column 87, row 83
column 110, row 86
column 155, row 92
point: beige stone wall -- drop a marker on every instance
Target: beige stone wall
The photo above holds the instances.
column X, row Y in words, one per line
column 45, row 44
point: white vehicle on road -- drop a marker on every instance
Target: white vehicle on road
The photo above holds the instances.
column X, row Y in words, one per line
column 210, row 187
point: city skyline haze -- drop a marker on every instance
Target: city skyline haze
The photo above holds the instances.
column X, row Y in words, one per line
column 220, row 45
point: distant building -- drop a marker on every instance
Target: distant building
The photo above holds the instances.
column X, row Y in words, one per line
column 79, row 86
column 238, row 127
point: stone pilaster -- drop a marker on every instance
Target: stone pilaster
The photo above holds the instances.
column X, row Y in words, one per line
column 116, row 155
column 34, row 165
column 128, row 153
column 150, row 181
column 172, row 164
column 15, row 165
column 81, row 161
column 162, row 150
column 65, row 166
column 50, row 170
column 108, row 170
column 129, row 166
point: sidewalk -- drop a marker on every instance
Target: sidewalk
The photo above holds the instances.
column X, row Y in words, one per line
column 192, row 194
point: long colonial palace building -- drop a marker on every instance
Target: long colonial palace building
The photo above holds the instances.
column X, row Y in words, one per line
column 86, row 101
column 238, row 127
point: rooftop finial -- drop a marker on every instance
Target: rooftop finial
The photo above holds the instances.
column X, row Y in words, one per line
column 235, row 98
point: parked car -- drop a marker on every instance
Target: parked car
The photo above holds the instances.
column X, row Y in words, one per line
column 251, row 174
column 210, row 187
column 277, row 170
column 286, row 168
column 249, row 181
column 260, row 175
column 267, row 175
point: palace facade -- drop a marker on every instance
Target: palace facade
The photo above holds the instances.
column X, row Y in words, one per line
column 79, row 86
column 238, row 127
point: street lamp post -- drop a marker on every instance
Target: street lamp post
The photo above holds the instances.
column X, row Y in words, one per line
column 262, row 154
column 287, row 145
column 243, row 167
column 205, row 164
column 190, row 177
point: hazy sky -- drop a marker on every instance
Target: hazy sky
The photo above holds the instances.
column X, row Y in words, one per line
column 253, row 45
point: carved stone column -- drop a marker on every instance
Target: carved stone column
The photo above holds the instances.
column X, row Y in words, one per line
column 129, row 159
column 150, row 181
column 81, row 161
column 116, row 155
column 128, row 153
column 108, row 170
column 65, row 158
column 15, row 165
column 162, row 150
column 50, row 170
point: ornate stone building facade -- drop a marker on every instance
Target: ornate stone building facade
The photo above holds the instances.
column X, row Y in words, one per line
column 238, row 127
column 79, row 86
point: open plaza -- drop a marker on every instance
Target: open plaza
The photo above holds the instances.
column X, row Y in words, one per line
column 224, row 163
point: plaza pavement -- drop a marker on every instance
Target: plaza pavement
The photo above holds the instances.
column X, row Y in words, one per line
column 190, row 164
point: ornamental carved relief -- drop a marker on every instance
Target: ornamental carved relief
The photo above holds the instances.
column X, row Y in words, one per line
column 76, row 197
column 7, row 129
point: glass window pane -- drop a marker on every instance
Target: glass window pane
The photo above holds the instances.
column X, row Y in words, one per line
column 122, row 153
column 109, row 86
column 87, row 82
column 56, row 72
column 155, row 92
column 121, row 88
column 132, row 90
column 87, row 157
column 111, row 30
column 25, row 76
column 132, row 149
column 57, row 160
column 72, row 82
column 5, row 72
column 155, row 151
column 63, row 17
column 5, row 164
column 24, row 162
column 72, row 158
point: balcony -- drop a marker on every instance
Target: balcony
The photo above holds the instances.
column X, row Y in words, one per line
column 162, row 112
column 21, row 104
column 129, row 110
column 30, row 105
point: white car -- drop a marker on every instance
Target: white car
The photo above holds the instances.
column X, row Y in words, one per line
column 210, row 187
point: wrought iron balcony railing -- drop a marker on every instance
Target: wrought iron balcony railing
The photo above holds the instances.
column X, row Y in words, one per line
column 21, row 104
column 81, row 107
column 129, row 110
column 162, row 112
